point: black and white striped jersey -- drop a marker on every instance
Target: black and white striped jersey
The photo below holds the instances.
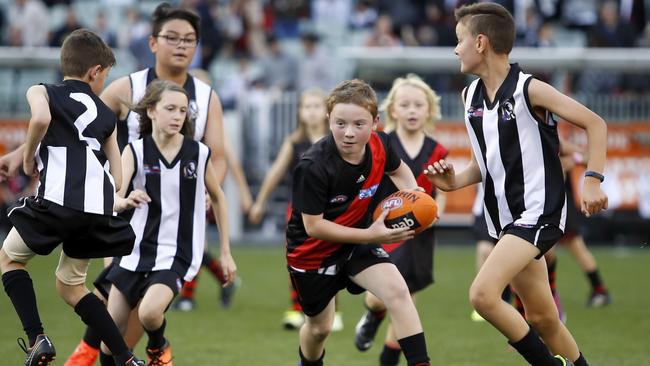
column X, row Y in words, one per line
column 170, row 230
column 198, row 91
column 72, row 165
column 518, row 155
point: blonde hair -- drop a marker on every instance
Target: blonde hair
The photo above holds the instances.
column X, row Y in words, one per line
column 432, row 98
column 300, row 133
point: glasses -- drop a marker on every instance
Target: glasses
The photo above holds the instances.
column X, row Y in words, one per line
column 176, row 40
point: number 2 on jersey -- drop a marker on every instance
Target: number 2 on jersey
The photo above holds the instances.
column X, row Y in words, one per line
column 86, row 118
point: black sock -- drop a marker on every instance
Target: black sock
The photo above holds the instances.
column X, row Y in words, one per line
column 306, row 362
column 106, row 360
column 506, row 295
column 93, row 312
column 415, row 349
column 581, row 361
column 20, row 289
column 156, row 337
column 92, row 338
column 596, row 281
column 389, row 356
column 534, row 350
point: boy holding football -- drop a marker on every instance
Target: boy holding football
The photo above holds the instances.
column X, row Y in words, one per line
column 330, row 245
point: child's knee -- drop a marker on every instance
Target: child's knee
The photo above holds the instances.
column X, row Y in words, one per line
column 150, row 318
column 71, row 294
column 480, row 297
column 318, row 331
column 543, row 322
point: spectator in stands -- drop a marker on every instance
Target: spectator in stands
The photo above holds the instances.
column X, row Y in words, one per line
column 132, row 29
column 315, row 68
column 28, row 23
column 211, row 37
column 70, row 24
column 286, row 16
column 611, row 30
column 363, row 15
column 102, row 29
column 278, row 67
column 435, row 30
column 382, row 33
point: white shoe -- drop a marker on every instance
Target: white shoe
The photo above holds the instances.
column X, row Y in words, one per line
column 337, row 324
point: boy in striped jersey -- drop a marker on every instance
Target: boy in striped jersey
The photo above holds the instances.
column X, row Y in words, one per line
column 71, row 140
column 515, row 155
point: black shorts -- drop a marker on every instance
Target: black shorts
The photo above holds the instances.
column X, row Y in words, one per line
column 414, row 260
column 316, row 288
column 133, row 285
column 542, row 236
column 43, row 225
column 480, row 229
column 102, row 284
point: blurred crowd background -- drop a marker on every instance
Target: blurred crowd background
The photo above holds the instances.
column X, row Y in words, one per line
column 261, row 53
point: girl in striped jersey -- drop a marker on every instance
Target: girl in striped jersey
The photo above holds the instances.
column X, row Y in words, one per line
column 174, row 171
column 312, row 126
column 411, row 109
column 515, row 155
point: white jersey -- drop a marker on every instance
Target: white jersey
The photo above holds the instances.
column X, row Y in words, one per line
column 518, row 155
column 170, row 230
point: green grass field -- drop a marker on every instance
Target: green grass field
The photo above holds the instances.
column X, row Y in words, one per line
column 250, row 332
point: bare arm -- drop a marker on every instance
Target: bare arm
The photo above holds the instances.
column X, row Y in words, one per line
column 320, row 228
column 403, row 177
column 113, row 155
column 546, row 97
column 11, row 162
column 271, row 180
column 441, row 200
column 245, row 196
column 218, row 200
column 444, row 177
column 117, row 95
column 214, row 137
column 38, row 123
column 137, row 197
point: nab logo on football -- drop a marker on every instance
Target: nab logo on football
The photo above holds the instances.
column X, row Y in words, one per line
column 391, row 203
column 408, row 220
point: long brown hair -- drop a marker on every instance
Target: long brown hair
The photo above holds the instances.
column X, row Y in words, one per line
column 300, row 133
column 153, row 95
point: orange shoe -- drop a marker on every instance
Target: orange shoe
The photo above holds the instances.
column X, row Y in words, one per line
column 161, row 356
column 83, row 355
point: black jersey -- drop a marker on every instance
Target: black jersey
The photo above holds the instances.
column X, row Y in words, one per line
column 518, row 155
column 326, row 184
column 72, row 165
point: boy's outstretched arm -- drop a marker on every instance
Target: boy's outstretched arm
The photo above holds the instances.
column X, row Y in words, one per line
column 548, row 98
column 403, row 177
column 444, row 177
column 11, row 162
column 38, row 123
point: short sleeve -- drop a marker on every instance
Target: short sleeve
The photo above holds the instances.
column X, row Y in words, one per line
column 309, row 188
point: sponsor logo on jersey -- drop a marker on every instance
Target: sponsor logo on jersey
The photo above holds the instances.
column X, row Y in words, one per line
column 339, row 199
column 474, row 112
column 151, row 169
column 361, row 179
column 368, row 192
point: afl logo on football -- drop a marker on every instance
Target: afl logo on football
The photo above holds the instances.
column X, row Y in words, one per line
column 392, row 203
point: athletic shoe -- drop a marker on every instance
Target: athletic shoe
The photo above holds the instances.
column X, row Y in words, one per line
column 83, row 355
column 133, row 361
column 228, row 292
column 184, row 304
column 565, row 361
column 337, row 324
column 293, row 319
column 41, row 353
column 161, row 356
column 599, row 299
column 366, row 330
column 476, row 317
